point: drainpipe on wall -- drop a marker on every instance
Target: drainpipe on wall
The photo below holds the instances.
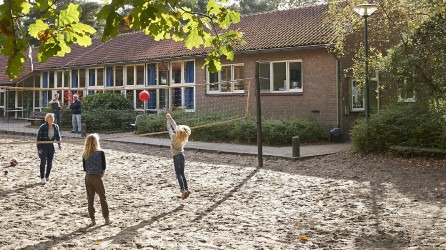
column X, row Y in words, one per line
column 338, row 75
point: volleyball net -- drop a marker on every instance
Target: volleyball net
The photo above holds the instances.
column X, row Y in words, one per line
column 196, row 105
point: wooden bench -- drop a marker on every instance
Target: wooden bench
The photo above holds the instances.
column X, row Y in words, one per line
column 36, row 117
column 133, row 125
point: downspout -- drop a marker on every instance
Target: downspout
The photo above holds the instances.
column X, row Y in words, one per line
column 338, row 112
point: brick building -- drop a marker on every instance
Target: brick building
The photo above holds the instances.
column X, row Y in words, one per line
column 285, row 50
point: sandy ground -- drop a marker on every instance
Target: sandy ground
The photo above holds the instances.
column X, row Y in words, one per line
column 341, row 201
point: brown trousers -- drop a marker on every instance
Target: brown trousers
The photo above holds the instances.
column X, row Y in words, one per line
column 94, row 185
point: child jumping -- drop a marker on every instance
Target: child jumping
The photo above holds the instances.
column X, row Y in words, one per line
column 179, row 135
column 93, row 162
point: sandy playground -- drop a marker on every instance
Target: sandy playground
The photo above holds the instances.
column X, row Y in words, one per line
column 340, row 201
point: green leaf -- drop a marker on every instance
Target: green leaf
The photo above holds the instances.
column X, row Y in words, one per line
column 43, row 5
column 15, row 65
column 83, row 28
column 193, row 39
column 213, row 8
column 69, row 15
column 37, row 27
column 26, row 7
column 82, row 40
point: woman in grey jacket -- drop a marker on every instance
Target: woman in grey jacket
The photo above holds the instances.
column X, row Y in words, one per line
column 49, row 131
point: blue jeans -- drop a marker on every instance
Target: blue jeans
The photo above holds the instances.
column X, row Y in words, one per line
column 76, row 121
column 178, row 162
column 46, row 158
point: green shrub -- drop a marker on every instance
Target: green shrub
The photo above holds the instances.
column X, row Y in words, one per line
column 107, row 101
column 108, row 120
column 406, row 124
column 275, row 132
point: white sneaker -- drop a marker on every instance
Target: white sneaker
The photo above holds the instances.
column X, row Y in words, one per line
column 43, row 181
column 47, row 179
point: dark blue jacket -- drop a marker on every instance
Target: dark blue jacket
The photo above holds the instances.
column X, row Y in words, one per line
column 42, row 135
column 95, row 164
column 76, row 107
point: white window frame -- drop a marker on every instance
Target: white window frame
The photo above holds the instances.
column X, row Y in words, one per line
column 232, row 80
column 351, row 81
column 286, row 88
column 406, row 99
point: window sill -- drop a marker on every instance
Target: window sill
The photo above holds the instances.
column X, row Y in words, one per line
column 283, row 93
column 225, row 93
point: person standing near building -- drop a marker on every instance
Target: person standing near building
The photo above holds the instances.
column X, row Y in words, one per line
column 76, row 117
column 55, row 108
column 49, row 131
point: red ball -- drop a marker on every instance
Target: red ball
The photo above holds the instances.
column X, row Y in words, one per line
column 144, row 96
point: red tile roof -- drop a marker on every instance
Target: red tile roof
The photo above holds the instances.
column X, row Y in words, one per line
column 296, row 27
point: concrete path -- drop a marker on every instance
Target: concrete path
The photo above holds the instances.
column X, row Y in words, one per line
column 19, row 127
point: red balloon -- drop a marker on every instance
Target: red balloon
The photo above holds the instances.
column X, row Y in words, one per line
column 144, row 96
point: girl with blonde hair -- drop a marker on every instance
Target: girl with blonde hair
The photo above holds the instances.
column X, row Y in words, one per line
column 179, row 136
column 93, row 162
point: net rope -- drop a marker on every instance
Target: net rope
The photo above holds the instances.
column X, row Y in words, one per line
column 244, row 111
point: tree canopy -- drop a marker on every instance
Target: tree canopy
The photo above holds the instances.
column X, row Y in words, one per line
column 410, row 50
column 60, row 26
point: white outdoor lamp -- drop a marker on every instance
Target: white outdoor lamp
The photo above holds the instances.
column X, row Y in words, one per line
column 366, row 10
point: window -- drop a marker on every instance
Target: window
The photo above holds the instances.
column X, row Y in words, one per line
column 228, row 80
column 82, row 78
column 406, row 91
column 100, row 77
column 140, row 74
column 2, row 98
column 281, row 76
column 91, row 77
column 356, row 97
column 119, row 80
column 130, row 75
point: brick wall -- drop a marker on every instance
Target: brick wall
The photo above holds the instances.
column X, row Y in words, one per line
column 317, row 100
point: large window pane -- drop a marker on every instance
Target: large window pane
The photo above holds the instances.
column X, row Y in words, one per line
column 295, row 75
column 140, row 74
column 118, row 76
column 81, row 78
column 264, row 76
column 279, row 76
column 59, row 79
column 189, row 72
column 225, row 79
column 176, row 72
column 176, row 97
column 213, row 78
column 357, row 97
column 130, row 75
column 51, row 79
column 238, row 77
column 66, row 79
column 162, row 68
column 99, row 77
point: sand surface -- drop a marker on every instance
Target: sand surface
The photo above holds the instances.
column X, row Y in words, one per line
column 341, row 201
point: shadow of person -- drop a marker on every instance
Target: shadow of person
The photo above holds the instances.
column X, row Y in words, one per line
column 130, row 232
column 65, row 237
column 18, row 190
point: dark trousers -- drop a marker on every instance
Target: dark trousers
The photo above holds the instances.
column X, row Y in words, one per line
column 57, row 119
column 94, row 185
column 178, row 162
column 46, row 158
